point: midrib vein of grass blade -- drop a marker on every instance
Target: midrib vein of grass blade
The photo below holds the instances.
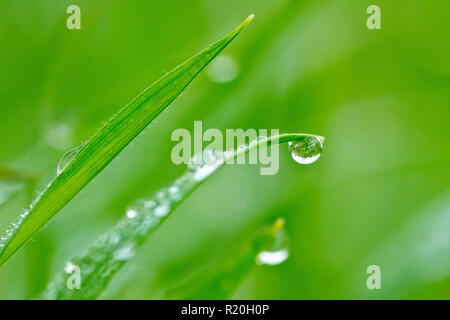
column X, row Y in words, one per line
column 106, row 144
column 105, row 258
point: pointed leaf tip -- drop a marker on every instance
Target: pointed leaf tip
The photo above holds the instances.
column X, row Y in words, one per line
column 109, row 141
column 245, row 23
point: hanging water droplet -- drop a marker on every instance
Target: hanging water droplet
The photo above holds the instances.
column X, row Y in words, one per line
column 307, row 150
column 68, row 157
column 277, row 253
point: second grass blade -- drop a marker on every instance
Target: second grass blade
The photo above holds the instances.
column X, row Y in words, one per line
column 105, row 257
column 99, row 151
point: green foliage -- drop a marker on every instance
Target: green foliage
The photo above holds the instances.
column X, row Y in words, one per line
column 379, row 96
column 104, row 259
column 80, row 166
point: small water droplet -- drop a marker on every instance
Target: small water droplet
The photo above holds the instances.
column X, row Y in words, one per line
column 161, row 210
column 175, row 193
column 149, row 204
column 70, row 267
column 307, row 150
column 223, row 69
column 205, row 163
column 67, row 158
column 161, row 195
column 277, row 253
column 203, row 172
column 131, row 213
column 24, row 214
column 114, row 238
column 13, row 227
column 174, row 190
column 124, row 252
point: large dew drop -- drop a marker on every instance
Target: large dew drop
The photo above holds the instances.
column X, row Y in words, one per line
column 277, row 253
column 67, row 158
column 307, row 150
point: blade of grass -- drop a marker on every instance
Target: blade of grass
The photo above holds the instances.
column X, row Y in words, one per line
column 105, row 257
column 220, row 281
column 99, row 151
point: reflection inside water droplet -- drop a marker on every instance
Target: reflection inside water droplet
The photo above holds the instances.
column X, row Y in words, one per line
column 307, row 150
column 277, row 253
column 273, row 258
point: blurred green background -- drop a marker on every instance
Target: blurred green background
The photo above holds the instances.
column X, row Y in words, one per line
column 379, row 194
